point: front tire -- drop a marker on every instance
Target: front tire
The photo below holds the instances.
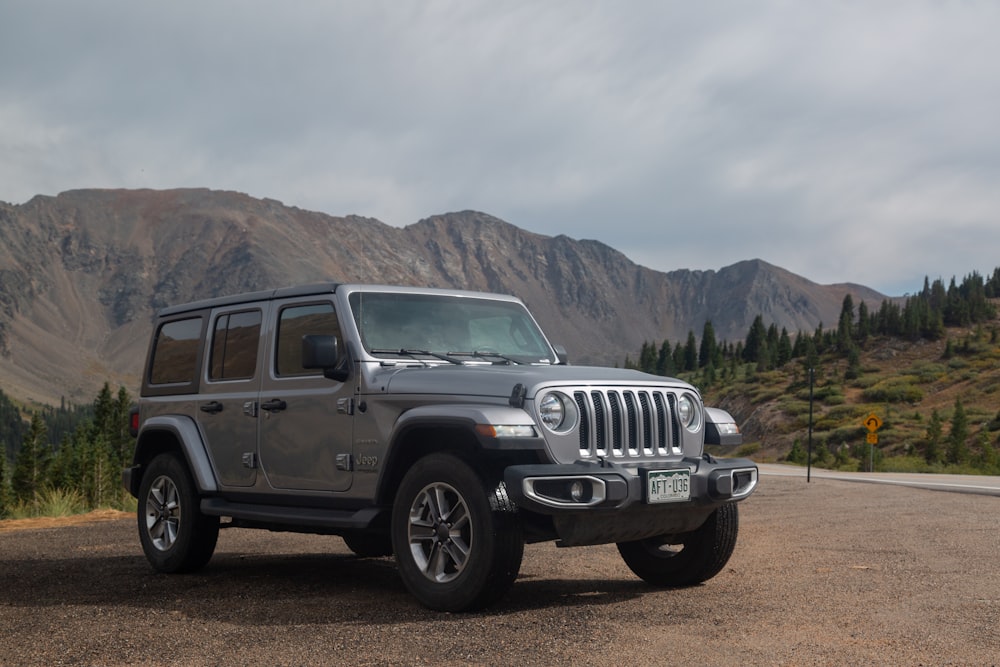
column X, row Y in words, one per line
column 688, row 559
column 457, row 539
column 175, row 535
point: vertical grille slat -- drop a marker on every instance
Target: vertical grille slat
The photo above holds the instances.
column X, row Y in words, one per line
column 632, row 432
column 648, row 423
column 661, row 420
column 614, row 400
column 627, row 423
column 675, row 425
column 585, row 424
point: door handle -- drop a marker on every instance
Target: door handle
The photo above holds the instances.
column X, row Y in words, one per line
column 274, row 405
column 211, row 407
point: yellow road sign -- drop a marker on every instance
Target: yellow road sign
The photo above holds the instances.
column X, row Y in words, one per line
column 873, row 438
column 872, row 422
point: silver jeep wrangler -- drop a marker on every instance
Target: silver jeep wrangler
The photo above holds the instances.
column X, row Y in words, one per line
column 437, row 425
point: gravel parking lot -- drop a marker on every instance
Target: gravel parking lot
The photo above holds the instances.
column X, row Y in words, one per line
column 824, row 573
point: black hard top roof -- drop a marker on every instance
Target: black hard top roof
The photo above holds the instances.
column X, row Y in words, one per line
column 248, row 297
column 315, row 289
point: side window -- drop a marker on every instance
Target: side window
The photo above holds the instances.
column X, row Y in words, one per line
column 234, row 346
column 294, row 322
column 175, row 352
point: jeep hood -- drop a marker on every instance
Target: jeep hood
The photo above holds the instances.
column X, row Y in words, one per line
column 499, row 381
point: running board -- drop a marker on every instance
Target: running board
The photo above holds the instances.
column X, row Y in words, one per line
column 292, row 517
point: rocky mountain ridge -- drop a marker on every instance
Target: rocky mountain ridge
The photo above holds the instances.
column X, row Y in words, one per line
column 82, row 273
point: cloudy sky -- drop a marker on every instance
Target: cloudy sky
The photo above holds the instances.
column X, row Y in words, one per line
column 845, row 141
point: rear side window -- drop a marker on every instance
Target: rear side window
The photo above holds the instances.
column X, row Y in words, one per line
column 234, row 346
column 175, row 352
column 296, row 322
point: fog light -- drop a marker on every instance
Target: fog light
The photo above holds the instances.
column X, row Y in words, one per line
column 565, row 491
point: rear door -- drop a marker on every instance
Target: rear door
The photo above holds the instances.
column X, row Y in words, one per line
column 305, row 419
column 227, row 412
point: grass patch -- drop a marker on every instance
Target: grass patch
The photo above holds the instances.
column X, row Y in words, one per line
column 51, row 502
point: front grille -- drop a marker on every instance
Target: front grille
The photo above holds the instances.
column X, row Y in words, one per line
column 627, row 423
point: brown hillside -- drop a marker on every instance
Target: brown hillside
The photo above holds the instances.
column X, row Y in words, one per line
column 81, row 275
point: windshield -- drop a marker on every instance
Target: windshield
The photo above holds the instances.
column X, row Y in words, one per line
column 456, row 326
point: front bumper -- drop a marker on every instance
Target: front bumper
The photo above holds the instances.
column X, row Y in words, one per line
column 588, row 503
column 585, row 485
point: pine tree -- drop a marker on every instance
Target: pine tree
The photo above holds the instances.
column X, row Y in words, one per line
column 709, row 348
column 958, row 450
column 784, row 348
column 989, row 460
column 845, row 327
column 665, row 360
column 756, row 340
column 864, row 328
column 678, row 356
column 32, row 462
column 691, row 353
column 647, row 358
column 122, row 441
column 63, row 470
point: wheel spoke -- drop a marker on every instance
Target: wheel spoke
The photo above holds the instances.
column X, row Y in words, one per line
column 421, row 532
column 170, row 529
column 439, row 503
column 437, row 564
column 154, row 526
column 459, row 518
column 458, row 553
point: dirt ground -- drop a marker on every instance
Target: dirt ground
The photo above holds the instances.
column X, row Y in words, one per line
column 824, row 573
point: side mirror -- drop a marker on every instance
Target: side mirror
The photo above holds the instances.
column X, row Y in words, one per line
column 721, row 428
column 323, row 352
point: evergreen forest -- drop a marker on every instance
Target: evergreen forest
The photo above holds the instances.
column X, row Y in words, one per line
column 928, row 365
column 65, row 460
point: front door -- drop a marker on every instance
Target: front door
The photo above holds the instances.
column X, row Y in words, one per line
column 305, row 418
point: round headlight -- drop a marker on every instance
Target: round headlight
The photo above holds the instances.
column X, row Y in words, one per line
column 557, row 411
column 689, row 412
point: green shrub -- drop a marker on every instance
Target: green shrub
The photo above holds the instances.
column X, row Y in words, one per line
column 893, row 390
column 927, row 371
column 848, row 413
column 865, row 381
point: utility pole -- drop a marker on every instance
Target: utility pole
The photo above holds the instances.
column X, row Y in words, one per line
column 809, row 459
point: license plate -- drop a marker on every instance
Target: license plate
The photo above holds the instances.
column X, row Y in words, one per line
column 668, row 486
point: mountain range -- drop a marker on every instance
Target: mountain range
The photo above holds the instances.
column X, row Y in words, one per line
column 82, row 274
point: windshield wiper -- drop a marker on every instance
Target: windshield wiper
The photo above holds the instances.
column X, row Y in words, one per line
column 487, row 354
column 409, row 352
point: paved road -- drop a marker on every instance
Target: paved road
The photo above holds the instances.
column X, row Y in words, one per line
column 978, row 484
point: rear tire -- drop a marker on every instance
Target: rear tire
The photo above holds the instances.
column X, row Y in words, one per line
column 687, row 559
column 175, row 535
column 457, row 538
